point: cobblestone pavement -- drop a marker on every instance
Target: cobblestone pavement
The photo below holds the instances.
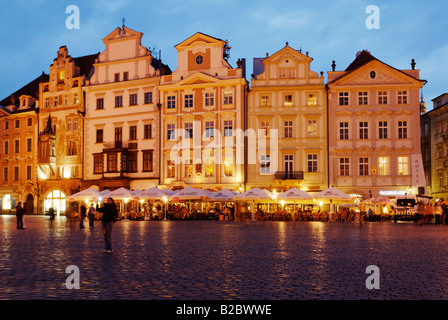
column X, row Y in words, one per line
column 222, row 260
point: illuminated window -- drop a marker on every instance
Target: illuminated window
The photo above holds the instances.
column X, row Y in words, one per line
column 312, row 128
column 188, row 166
column 56, row 200
column 264, row 126
column 265, row 101
column 287, row 100
column 228, row 166
column 228, row 97
column 383, row 166
column 6, row 203
column 209, row 167
column 311, row 100
column 170, row 169
column 403, row 166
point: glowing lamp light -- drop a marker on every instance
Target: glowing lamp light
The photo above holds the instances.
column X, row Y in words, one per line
column 165, row 199
column 320, row 203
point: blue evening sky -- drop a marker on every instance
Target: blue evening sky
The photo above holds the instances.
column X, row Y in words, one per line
column 32, row 32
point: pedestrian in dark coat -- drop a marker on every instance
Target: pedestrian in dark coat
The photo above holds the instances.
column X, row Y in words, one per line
column 83, row 215
column 110, row 215
column 19, row 215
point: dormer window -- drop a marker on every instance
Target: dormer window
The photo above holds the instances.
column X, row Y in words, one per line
column 61, row 77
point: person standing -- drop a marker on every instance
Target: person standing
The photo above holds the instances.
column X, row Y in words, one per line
column 91, row 215
column 19, row 214
column 444, row 212
column 109, row 217
column 83, row 215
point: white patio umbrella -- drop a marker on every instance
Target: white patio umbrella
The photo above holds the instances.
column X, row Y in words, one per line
column 88, row 194
column 121, row 194
column 153, row 193
column 189, row 193
column 332, row 194
column 223, row 195
column 168, row 192
column 254, row 195
column 295, row 194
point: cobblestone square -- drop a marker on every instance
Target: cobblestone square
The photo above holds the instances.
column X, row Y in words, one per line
column 223, row 260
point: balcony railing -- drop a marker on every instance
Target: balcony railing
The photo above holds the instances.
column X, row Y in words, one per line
column 120, row 145
column 289, row 175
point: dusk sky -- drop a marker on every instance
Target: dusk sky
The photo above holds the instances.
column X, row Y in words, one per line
column 32, row 32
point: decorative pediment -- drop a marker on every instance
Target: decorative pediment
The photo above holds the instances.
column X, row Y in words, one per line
column 344, row 151
column 364, row 150
column 403, row 112
column 403, row 149
column 197, row 78
column 344, row 113
column 384, row 112
column 199, row 39
column 170, row 119
column 287, row 52
column 364, row 112
column 121, row 33
column 384, row 149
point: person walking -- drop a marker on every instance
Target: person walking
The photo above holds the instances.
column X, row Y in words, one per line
column 438, row 213
column 19, row 214
column 83, row 215
column 110, row 215
column 420, row 213
column 91, row 215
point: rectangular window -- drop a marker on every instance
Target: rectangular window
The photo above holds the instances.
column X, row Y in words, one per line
column 264, row 126
column 98, row 163
column 312, row 128
column 209, row 167
column 5, row 174
column 209, row 99
column 6, row 125
column 72, row 150
column 265, row 164
column 55, row 101
column 288, row 129
column 99, row 136
column 189, row 130
column 68, row 124
column 383, row 166
column 17, row 123
column 343, row 130
column 264, row 101
column 288, row 162
column 148, row 97
column 228, row 128
column 16, row 174
column 228, row 97
column 311, row 100
column 228, row 167
column 112, row 162
column 188, row 168
column 133, row 133
column 171, row 102
column 171, row 131
column 133, row 99
column 47, row 103
column 209, row 129
column 402, row 97
column 118, row 101
column 170, row 169
column 363, row 130
column 99, row 104
column 188, row 101
column 125, row 76
column 131, row 162
column 312, row 163
column 382, row 130
column 344, row 166
column 16, row 146
column 147, row 131
column 402, row 129
column 363, row 166
column 287, row 100
column 65, row 100
column 75, row 98
column 6, row 151
column 29, row 144
column 343, row 98
column 363, row 98
column 382, row 97
column 28, row 173
column 29, row 122
column 403, row 166
column 117, row 77
column 148, row 159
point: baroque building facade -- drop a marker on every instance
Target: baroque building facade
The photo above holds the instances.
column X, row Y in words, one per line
column 374, row 149
column 287, row 117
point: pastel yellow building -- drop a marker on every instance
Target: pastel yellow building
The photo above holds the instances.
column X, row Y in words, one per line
column 287, row 124
column 202, row 118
